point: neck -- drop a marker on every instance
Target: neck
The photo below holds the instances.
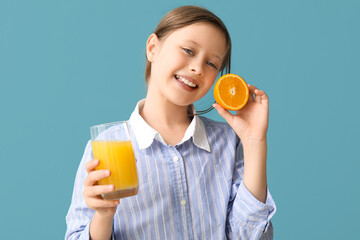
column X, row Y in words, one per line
column 167, row 118
column 159, row 112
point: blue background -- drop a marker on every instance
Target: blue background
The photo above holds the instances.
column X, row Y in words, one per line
column 68, row 65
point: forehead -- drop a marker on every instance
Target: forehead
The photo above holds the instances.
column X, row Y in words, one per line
column 204, row 35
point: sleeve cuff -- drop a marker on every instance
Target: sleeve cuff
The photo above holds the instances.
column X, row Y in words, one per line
column 250, row 211
column 86, row 232
column 85, row 235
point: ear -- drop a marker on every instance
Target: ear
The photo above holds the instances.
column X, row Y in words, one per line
column 151, row 46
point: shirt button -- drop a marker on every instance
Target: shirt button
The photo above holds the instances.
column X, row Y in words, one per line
column 176, row 158
column 183, row 202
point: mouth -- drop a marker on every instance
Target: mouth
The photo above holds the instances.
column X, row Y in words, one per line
column 187, row 82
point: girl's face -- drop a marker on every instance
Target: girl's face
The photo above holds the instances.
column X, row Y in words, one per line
column 184, row 64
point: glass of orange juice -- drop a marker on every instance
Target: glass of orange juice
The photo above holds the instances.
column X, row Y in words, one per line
column 111, row 145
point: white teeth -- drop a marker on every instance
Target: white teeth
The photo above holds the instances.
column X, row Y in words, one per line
column 187, row 82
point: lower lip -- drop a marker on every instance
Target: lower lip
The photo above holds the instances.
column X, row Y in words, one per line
column 184, row 86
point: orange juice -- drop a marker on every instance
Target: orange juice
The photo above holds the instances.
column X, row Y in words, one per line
column 118, row 157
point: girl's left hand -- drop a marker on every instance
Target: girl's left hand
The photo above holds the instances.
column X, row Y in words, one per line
column 250, row 122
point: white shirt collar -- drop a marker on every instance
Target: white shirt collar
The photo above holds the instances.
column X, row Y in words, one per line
column 145, row 134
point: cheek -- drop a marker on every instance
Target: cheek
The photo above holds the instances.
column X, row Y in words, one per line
column 210, row 82
column 164, row 64
column 176, row 59
column 172, row 57
column 212, row 79
column 207, row 86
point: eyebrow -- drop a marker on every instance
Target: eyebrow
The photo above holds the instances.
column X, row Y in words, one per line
column 192, row 41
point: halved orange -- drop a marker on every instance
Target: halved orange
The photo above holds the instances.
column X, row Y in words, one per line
column 231, row 92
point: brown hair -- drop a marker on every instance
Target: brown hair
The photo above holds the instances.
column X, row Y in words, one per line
column 185, row 16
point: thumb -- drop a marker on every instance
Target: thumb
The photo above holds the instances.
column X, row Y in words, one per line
column 224, row 113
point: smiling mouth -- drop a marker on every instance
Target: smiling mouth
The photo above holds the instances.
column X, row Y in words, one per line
column 186, row 82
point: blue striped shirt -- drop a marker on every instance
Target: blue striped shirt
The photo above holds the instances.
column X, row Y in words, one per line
column 192, row 190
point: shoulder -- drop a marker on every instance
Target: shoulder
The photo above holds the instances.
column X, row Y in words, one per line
column 217, row 127
column 221, row 137
column 212, row 123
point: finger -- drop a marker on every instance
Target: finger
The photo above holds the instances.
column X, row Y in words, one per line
column 251, row 92
column 90, row 166
column 257, row 96
column 224, row 113
column 95, row 176
column 100, row 203
column 251, row 97
column 265, row 98
column 98, row 190
column 261, row 96
column 259, row 92
column 251, row 87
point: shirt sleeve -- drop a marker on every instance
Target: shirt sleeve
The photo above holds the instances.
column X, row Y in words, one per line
column 247, row 217
column 79, row 215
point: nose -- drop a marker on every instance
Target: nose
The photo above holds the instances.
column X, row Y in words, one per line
column 196, row 67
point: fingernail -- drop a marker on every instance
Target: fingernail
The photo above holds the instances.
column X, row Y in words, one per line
column 108, row 172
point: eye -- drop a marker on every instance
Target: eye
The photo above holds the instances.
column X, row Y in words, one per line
column 212, row 65
column 188, row 51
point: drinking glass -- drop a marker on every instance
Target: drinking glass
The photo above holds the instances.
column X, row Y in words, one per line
column 111, row 145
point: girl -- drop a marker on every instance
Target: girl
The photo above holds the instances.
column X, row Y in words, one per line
column 198, row 179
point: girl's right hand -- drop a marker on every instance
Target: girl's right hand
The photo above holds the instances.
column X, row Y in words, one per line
column 92, row 192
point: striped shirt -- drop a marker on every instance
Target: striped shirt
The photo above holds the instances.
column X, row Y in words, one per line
column 192, row 190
